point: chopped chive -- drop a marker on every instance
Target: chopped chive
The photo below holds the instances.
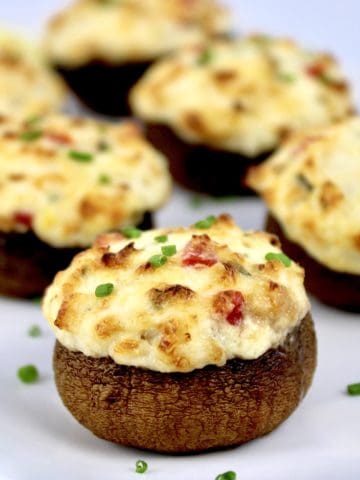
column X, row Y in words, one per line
column 230, row 475
column 169, row 250
column 141, row 466
column 28, row 374
column 31, row 121
column 286, row 77
column 281, row 257
column 353, row 389
column 195, row 201
column 158, row 260
column 31, row 135
column 131, row 232
column 205, row 57
column 104, row 179
column 304, row 182
column 206, row 223
column 34, row 331
column 81, row 156
column 161, row 239
column 104, row 289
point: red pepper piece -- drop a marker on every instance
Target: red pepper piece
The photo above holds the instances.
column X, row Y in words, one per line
column 199, row 252
column 229, row 305
column 23, row 218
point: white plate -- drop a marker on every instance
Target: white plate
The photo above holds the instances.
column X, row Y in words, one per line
column 40, row 440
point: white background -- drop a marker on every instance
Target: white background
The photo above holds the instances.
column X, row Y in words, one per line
column 38, row 437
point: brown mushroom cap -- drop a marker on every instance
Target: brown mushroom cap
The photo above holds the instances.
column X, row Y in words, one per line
column 208, row 408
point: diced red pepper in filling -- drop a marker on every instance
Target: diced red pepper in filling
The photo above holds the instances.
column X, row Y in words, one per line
column 23, row 218
column 316, row 69
column 199, row 252
column 61, row 138
column 229, row 305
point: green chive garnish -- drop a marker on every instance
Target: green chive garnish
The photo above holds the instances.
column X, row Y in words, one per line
column 81, row 156
column 206, row 223
column 104, row 179
column 28, row 374
column 31, row 121
column 230, row 475
column 353, row 389
column 141, row 466
column 281, row 257
column 104, row 289
column 161, row 238
column 286, row 77
column 158, row 260
column 31, row 135
column 34, row 331
column 131, row 232
column 205, row 57
column 169, row 250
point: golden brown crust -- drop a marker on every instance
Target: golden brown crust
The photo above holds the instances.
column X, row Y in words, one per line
column 131, row 30
column 262, row 89
column 70, row 179
column 215, row 298
column 210, row 408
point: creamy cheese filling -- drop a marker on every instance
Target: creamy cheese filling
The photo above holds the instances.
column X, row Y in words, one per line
column 70, row 179
column 130, row 30
column 215, row 297
column 27, row 86
column 311, row 186
column 243, row 95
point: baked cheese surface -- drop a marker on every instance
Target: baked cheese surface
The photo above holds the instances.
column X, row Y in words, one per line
column 311, row 186
column 243, row 95
column 70, row 179
column 215, row 297
column 120, row 31
column 27, row 85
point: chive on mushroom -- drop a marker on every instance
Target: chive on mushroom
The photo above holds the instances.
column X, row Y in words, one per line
column 78, row 156
column 158, row 260
column 281, row 257
column 104, row 290
column 131, row 232
column 169, row 250
column 208, row 222
column 161, row 238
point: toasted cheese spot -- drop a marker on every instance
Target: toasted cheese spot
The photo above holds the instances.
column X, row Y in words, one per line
column 117, row 259
column 126, row 346
column 178, row 318
column 70, row 207
column 261, row 91
column 108, row 326
column 330, row 195
column 315, row 196
column 131, row 30
column 160, row 297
